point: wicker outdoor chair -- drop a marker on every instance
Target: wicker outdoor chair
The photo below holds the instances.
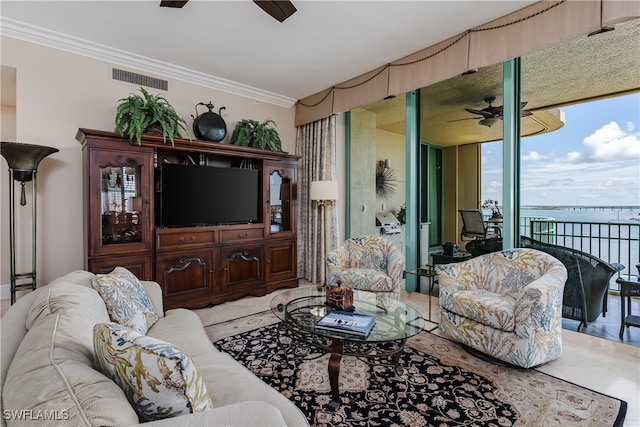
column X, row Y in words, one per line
column 586, row 290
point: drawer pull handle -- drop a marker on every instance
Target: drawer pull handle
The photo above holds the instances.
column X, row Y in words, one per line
column 243, row 236
column 192, row 239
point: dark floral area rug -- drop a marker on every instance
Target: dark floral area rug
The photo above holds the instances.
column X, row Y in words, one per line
column 438, row 384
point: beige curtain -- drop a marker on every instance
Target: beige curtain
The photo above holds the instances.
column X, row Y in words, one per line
column 541, row 25
column 316, row 146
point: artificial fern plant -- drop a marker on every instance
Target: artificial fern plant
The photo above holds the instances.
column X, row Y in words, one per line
column 136, row 114
column 251, row 133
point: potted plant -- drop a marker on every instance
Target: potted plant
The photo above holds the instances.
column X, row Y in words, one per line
column 251, row 133
column 146, row 113
column 493, row 205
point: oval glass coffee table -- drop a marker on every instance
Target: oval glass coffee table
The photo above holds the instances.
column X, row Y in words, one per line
column 300, row 309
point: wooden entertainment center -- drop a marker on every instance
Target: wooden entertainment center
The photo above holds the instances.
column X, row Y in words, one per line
column 196, row 266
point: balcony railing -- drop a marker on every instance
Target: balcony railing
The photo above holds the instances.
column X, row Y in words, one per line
column 617, row 242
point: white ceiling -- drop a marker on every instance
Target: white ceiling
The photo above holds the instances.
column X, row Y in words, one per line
column 324, row 43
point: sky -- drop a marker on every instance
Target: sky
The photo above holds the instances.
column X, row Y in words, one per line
column 594, row 160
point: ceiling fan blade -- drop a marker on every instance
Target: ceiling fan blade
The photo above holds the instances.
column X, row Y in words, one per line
column 460, row 120
column 482, row 113
column 176, row 4
column 279, row 9
column 525, row 113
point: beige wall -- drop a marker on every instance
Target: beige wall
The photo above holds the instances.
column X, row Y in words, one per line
column 57, row 93
column 462, row 186
column 363, row 172
column 391, row 146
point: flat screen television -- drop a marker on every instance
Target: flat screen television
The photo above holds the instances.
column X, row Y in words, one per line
column 193, row 195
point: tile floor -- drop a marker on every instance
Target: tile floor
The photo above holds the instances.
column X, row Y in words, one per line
column 608, row 327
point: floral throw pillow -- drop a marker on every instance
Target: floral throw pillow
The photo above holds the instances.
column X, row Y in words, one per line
column 126, row 299
column 159, row 380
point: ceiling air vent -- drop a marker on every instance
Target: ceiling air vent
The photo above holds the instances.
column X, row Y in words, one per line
column 139, row 79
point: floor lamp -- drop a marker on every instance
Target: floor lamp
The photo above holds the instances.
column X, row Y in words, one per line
column 324, row 193
column 23, row 160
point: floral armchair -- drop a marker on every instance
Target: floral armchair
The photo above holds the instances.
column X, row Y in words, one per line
column 367, row 263
column 506, row 304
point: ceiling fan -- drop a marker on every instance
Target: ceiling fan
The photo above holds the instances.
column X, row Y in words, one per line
column 279, row 9
column 490, row 114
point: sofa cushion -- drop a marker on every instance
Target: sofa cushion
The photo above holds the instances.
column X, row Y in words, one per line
column 126, row 299
column 53, row 369
column 159, row 380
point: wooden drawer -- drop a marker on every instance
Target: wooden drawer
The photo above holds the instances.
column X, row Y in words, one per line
column 241, row 234
column 171, row 239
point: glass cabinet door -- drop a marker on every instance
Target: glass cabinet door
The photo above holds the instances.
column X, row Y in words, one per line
column 281, row 199
column 120, row 208
column 279, row 190
column 121, row 203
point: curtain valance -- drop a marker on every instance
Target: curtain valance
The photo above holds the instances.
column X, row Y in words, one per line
column 541, row 25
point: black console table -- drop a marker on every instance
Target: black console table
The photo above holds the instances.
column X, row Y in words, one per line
column 448, row 259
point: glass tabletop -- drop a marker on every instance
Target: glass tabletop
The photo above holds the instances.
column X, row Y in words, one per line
column 302, row 308
column 423, row 271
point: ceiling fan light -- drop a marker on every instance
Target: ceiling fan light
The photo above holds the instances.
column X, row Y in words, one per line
column 489, row 121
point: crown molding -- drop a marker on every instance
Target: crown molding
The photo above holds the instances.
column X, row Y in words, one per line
column 33, row 34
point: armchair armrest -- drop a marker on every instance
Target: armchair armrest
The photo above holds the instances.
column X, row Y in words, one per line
column 339, row 257
column 395, row 265
column 538, row 301
column 616, row 267
column 155, row 295
column 336, row 261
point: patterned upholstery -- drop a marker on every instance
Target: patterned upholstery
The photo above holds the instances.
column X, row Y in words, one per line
column 506, row 304
column 127, row 302
column 368, row 263
column 159, row 379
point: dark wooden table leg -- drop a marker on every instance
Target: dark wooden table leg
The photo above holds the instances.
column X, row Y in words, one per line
column 396, row 356
column 337, row 348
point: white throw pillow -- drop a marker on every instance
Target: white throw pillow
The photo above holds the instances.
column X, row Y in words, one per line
column 159, row 380
column 126, row 299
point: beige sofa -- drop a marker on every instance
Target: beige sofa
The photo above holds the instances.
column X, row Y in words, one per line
column 49, row 375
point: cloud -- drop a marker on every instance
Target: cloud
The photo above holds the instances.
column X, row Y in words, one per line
column 609, row 143
column 630, row 126
column 599, row 169
column 534, row 156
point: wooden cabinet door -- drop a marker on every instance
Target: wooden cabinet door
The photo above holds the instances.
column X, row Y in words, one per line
column 187, row 277
column 120, row 206
column 281, row 260
column 140, row 265
column 243, row 269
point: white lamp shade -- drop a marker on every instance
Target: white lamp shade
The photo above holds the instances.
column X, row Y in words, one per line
column 324, row 190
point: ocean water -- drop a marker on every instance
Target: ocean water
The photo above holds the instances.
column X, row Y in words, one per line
column 586, row 215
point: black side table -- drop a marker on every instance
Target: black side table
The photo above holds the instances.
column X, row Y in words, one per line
column 629, row 287
column 448, row 259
